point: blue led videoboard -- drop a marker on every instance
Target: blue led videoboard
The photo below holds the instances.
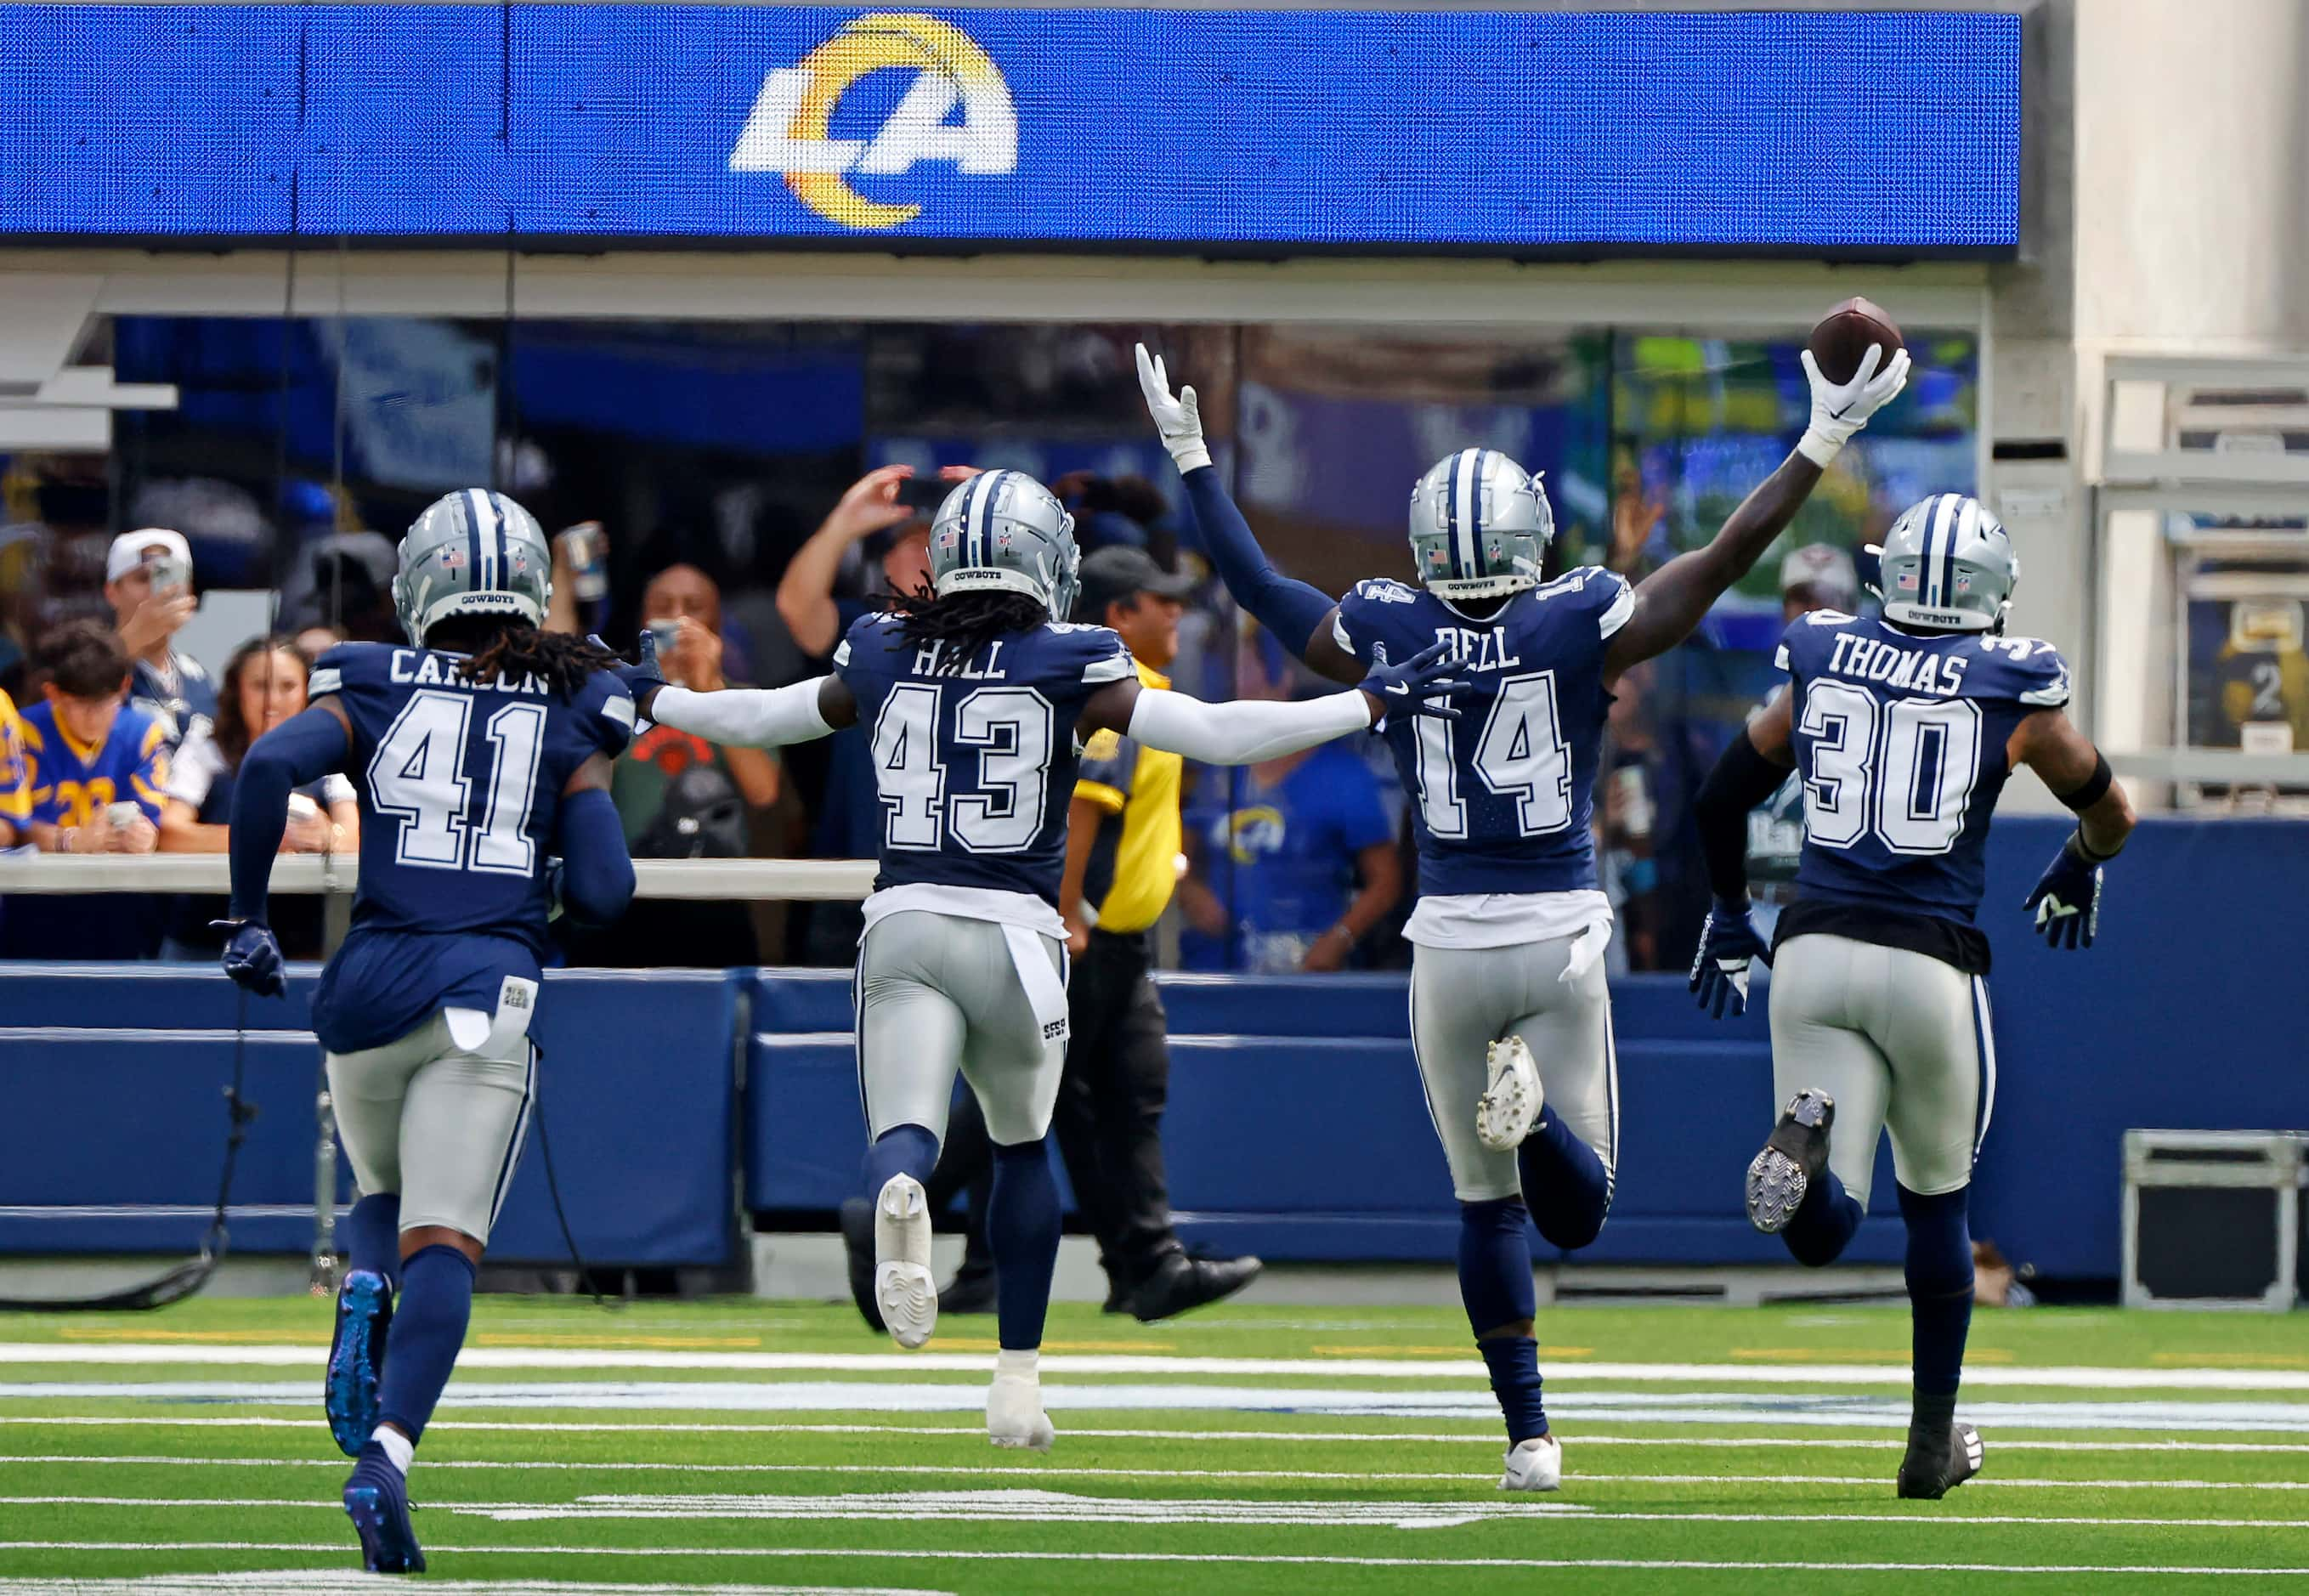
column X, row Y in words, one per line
column 1545, row 133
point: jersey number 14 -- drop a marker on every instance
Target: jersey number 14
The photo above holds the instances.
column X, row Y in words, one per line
column 1519, row 754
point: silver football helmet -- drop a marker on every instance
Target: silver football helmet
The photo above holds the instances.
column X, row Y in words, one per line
column 1947, row 565
column 1479, row 525
column 1003, row 529
column 473, row 552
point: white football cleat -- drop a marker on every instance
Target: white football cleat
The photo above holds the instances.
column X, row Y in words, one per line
column 904, row 1289
column 1014, row 1414
column 1536, row 1465
column 1509, row 1106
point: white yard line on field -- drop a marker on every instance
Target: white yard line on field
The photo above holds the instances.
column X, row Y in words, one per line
column 145, row 1354
column 982, row 1468
column 1594, row 1515
column 1486, row 1438
column 975, row 1555
column 1779, row 1410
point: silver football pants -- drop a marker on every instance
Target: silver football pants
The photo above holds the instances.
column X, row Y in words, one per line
column 1901, row 1041
column 440, row 1124
column 939, row 993
column 1463, row 1000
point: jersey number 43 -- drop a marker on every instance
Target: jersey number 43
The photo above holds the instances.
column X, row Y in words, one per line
column 1008, row 731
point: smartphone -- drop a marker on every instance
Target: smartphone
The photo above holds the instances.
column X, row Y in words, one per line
column 170, row 574
column 924, row 493
column 666, row 632
column 122, row 816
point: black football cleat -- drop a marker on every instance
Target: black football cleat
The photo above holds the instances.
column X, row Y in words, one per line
column 1181, row 1283
column 971, row 1290
column 1792, row 1159
column 357, row 1359
column 377, row 1499
column 858, row 1244
column 1937, row 1464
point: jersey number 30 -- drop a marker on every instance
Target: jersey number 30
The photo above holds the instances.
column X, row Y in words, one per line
column 1008, row 728
column 418, row 775
column 1904, row 768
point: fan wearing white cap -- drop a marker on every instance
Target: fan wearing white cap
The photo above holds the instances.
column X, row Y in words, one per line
column 148, row 580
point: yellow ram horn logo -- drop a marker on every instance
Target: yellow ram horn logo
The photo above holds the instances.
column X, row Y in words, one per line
column 789, row 130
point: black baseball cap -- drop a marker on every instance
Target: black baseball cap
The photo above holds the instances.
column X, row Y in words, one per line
column 1113, row 575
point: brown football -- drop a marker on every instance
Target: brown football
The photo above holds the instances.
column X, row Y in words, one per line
column 1842, row 338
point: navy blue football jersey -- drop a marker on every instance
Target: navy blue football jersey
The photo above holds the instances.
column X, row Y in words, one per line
column 1503, row 794
column 460, row 787
column 1900, row 742
column 975, row 759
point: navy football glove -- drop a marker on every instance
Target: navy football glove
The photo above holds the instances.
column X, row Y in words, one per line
column 1728, row 942
column 252, row 957
column 1421, row 683
column 642, row 679
column 2067, row 897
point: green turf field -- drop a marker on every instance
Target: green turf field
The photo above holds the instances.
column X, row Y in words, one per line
column 760, row 1446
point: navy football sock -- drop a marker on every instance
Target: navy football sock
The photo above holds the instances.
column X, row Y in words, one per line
column 902, row 1150
column 428, row 1329
column 1564, row 1183
column 1022, row 1228
column 1939, row 1286
column 1824, row 1222
column 1494, row 1264
column 1514, row 1363
column 1495, row 1284
column 373, row 1237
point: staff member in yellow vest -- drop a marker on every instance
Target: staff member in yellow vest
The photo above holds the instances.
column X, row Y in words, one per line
column 1123, row 862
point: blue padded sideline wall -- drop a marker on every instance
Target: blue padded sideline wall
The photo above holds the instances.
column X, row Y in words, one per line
column 113, row 1077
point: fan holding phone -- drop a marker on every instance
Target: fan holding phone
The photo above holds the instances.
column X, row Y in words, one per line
column 148, row 580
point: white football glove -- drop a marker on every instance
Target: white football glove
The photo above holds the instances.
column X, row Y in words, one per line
column 1179, row 419
column 1839, row 409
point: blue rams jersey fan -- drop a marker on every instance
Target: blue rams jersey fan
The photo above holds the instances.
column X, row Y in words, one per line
column 1900, row 737
column 1505, row 792
column 459, row 785
column 976, row 758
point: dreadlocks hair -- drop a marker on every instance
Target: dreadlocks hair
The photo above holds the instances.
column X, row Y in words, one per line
column 515, row 649
column 968, row 621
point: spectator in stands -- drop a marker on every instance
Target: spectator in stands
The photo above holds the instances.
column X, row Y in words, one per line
column 312, row 642
column 96, row 765
column 1294, row 863
column 148, row 581
column 838, row 782
column 16, row 779
column 681, row 797
column 264, row 685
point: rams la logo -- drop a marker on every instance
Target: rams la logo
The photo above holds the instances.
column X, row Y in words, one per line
column 788, row 131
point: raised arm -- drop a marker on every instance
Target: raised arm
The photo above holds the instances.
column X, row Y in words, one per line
column 805, row 591
column 1300, row 616
column 2066, row 898
column 1674, row 599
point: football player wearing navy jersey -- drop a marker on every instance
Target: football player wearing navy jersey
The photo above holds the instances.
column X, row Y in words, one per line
column 481, row 754
column 975, row 703
column 1511, row 1020
column 1903, row 730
